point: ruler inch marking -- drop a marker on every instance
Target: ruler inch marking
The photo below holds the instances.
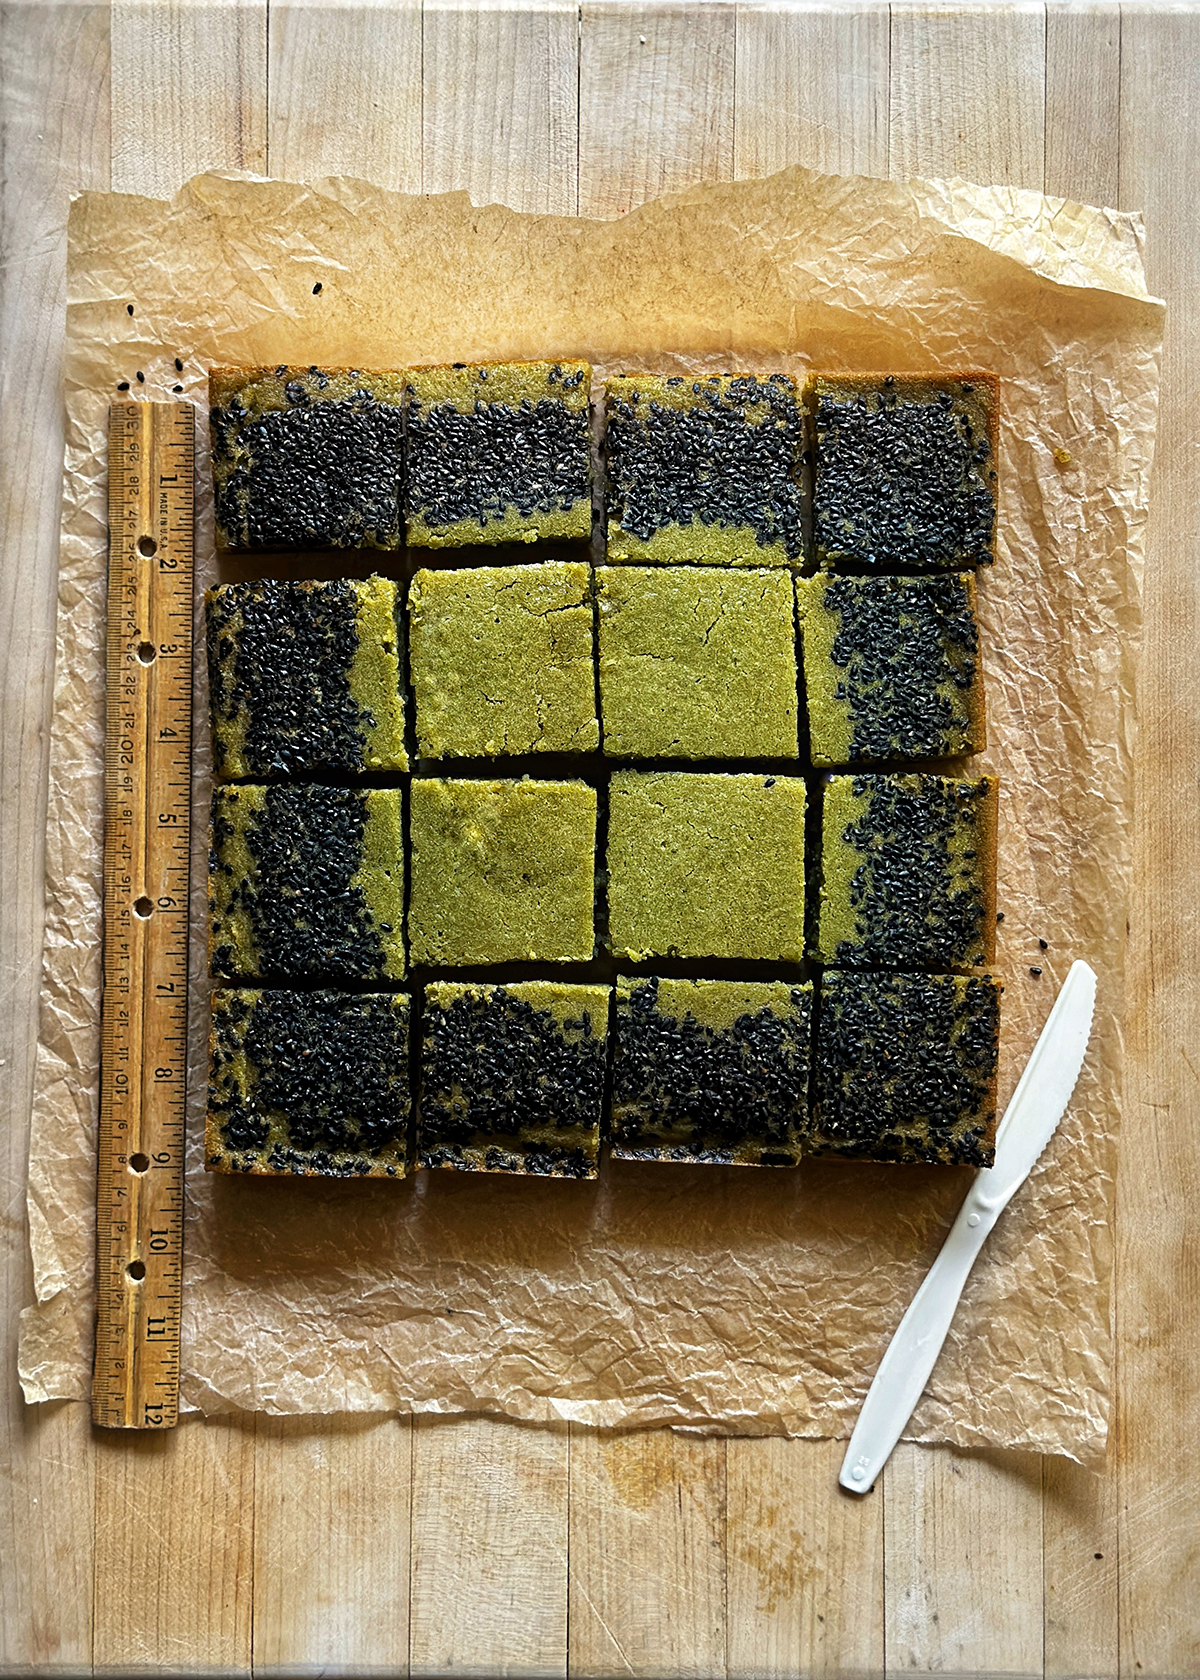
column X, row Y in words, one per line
column 143, row 1057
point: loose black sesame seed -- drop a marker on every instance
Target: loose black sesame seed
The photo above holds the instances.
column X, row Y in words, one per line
column 999, row 915
column 141, row 378
column 1043, row 945
column 178, row 365
column 316, row 291
column 1036, row 972
column 177, row 389
column 129, row 309
column 123, row 385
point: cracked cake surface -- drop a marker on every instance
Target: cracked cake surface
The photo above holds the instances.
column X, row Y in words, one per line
column 696, row 662
column 502, row 660
column 706, row 865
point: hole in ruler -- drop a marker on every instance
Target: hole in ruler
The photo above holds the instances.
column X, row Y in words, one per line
column 146, row 652
column 139, row 1163
column 146, row 546
column 142, row 907
column 136, row 1269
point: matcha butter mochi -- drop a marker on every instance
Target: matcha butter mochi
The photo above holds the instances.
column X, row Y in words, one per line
column 712, row 1071
column 502, row 871
column 706, row 865
column 498, row 452
column 502, row 660
column 905, row 471
column 697, row 662
column 306, row 883
column 704, row 469
column 307, row 457
column 304, row 679
column 908, row 872
column 310, row 1083
column 512, row 1078
column 905, row 1067
column 891, row 667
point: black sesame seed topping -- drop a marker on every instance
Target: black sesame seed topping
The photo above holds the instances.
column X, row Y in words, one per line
column 279, row 657
column 898, row 483
column 320, row 473
column 329, row 1069
column 1043, row 945
column 498, row 460
column 498, row 1075
column 906, row 651
column 308, row 917
column 905, row 1067
column 668, row 466
column 1036, row 972
column 687, row 1092
column 918, row 902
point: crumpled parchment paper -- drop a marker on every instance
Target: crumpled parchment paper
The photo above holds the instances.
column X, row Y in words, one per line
column 750, row 1301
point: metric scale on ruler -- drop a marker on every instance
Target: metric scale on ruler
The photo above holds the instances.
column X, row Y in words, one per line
column 143, row 1057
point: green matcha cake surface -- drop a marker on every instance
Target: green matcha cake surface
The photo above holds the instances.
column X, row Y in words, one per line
column 704, row 468
column 498, row 452
column 697, row 662
column 706, row 865
column 305, row 679
column 905, row 470
column 908, row 871
column 307, row 457
column 512, row 1078
column 306, row 882
column 502, row 871
column 891, row 667
column 711, row 1071
column 905, row 1067
column 501, row 660
column 309, row 1083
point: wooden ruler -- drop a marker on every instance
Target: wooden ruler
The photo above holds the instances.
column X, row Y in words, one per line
column 143, row 1054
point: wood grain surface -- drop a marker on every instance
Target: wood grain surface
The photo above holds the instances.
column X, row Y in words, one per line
column 478, row 1547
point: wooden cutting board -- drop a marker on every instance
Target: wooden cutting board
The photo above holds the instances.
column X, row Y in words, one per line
column 455, row 1546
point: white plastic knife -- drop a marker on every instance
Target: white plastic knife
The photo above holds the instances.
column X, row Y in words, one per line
column 1029, row 1122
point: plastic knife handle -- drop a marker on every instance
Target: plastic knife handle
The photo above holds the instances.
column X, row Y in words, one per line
column 913, row 1350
